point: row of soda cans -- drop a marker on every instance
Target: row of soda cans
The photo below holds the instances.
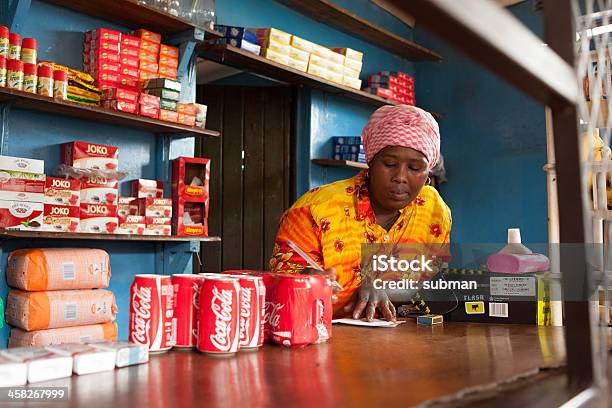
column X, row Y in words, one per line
column 223, row 313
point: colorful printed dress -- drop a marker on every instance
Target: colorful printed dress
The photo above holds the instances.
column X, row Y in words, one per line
column 331, row 222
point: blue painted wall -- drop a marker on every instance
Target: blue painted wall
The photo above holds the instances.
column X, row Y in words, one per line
column 493, row 142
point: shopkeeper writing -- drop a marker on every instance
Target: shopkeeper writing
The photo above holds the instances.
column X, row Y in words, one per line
column 388, row 203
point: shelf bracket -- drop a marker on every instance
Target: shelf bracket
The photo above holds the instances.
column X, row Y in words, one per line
column 14, row 14
column 5, row 109
column 187, row 42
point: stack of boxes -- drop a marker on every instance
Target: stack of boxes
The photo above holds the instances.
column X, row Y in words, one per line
column 169, row 92
column 62, row 201
column 348, row 148
column 353, row 62
column 152, row 206
column 397, row 87
column 98, row 195
column 148, row 53
column 168, row 61
column 120, row 99
column 22, row 184
column 237, row 37
column 190, row 195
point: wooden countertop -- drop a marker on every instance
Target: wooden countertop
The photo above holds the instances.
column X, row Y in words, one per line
column 358, row 367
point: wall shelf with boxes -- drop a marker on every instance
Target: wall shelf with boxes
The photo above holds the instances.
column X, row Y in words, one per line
column 26, row 100
column 244, row 60
column 9, row 234
column 329, row 13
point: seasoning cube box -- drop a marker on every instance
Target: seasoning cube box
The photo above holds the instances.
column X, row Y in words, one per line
column 155, row 207
column 127, row 206
column 190, row 219
column 83, row 155
column 190, row 179
column 98, row 218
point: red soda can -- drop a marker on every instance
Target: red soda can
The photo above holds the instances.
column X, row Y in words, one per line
column 219, row 315
column 151, row 312
column 252, row 301
column 186, row 298
column 322, row 317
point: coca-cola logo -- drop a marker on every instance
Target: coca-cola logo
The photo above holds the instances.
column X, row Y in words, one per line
column 96, row 149
column 97, row 209
column 221, row 305
column 195, row 300
column 272, row 313
column 141, row 314
column 245, row 312
column 60, row 211
column 59, row 183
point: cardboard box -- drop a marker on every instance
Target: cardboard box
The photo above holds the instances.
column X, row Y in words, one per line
column 158, row 226
column 97, row 69
column 187, row 120
column 130, row 61
column 120, row 94
column 190, row 219
column 200, row 112
column 348, row 53
column 275, row 56
column 352, row 82
column 167, row 104
column 168, row 61
column 353, row 65
column 150, row 111
column 98, row 218
column 104, row 85
column 107, row 77
column 168, row 116
column 351, row 73
column 130, row 41
column 238, row 33
column 382, row 92
column 60, row 191
column 130, row 52
column 147, row 35
column 149, row 66
column 186, row 108
column 96, row 54
column 164, row 93
column 99, row 190
column 155, row 207
column 12, row 373
column 131, row 224
column 149, row 46
column 148, row 99
column 129, row 72
column 163, row 83
column 127, row 206
column 21, row 186
column 319, row 61
column 142, row 188
column 102, row 34
column 327, row 54
column 21, row 215
column 275, row 46
column 129, row 82
column 106, row 45
column 145, row 75
column 61, row 218
column 324, row 73
column 144, row 55
column 298, row 54
column 166, row 71
column 190, row 179
column 301, row 44
column 271, row 33
column 123, row 106
column 168, row 51
column 336, row 68
column 22, row 164
column 297, row 64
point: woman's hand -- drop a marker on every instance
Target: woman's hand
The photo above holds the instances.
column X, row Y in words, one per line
column 331, row 274
column 370, row 299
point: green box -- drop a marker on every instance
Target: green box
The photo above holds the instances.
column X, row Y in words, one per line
column 164, row 93
column 168, row 104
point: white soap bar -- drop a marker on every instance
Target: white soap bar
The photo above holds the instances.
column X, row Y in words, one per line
column 43, row 365
column 12, row 373
column 86, row 359
column 127, row 353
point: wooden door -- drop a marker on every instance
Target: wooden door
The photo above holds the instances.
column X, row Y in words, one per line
column 250, row 172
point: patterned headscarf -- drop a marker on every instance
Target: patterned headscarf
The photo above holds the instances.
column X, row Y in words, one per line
column 405, row 126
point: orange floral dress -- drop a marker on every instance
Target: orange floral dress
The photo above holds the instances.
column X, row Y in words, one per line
column 331, row 222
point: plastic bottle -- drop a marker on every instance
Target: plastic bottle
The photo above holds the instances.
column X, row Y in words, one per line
column 14, row 46
column 14, row 74
column 29, row 78
column 60, row 84
column 28, row 51
column 44, row 85
column 516, row 257
column 4, row 41
column 2, row 71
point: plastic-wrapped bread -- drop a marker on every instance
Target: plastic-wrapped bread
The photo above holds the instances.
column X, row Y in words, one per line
column 86, row 359
column 127, row 353
column 43, row 365
column 12, row 373
column 37, row 269
column 59, row 308
column 78, row 334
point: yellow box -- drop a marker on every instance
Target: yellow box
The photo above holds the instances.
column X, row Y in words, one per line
column 300, row 65
column 327, row 54
column 319, row 61
column 301, row 43
column 299, row 55
column 337, row 68
column 275, row 56
column 351, row 73
column 274, row 45
column 334, row 76
column 353, row 65
column 317, row 70
column 271, row 33
column 352, row 82
column 349, row 53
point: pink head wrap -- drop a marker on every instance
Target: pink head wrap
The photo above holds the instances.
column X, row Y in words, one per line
column 405, row 126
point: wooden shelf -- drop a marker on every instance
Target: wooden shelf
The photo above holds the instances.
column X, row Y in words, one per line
column 329, row 13
column 4, row 233
column 132, row 15
column 340, row 163
column 41, row 103
column 244, row 60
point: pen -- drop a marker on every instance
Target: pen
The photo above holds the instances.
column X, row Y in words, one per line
column 311, row 262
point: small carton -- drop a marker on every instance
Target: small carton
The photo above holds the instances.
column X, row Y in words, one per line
column 123, row 106
column 84, row 155
column 150, row 46
column 143, row 188
column 99, row 190
column 168, row 51
column 102, row 34
column 353, row 65
column 127, row 206
column 130, row 61
column 129, row 72
column 168, row 61
column 121, row 94
column 151, row 111
column 158, row 226
column 167, row 104
column 164, row 93
column 98, row 218
column 351, row 82
column 166, row 71
column 21, row 186
column 155, row 207
column 187, row 120
column 163, row 83
column 186, row 108
column 151, row 67
column 297, row 64
column 130, row 52
column 12, row 373
column 60, row 191
column 145, row 74
column 131, row 224
column 147, row 56
column 21, row 215
column 190, row 179
column 190, row 219
column 61, row 218
column 301, row 43
column 130, row 41
column 129, row 82
column 299, row 54
column 168, row 115
column 22, row 164
column 147, row 35
column 106, row 45
column 275, row 56
column 273, row 45
column 349, row 53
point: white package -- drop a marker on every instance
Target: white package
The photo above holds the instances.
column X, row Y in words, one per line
column 43, row 365
column 12, row 373
column 86, row 359
column 127, row 353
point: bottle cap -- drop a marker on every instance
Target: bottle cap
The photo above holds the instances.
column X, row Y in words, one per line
column 15, row 65
column 29, row 69
column 59, row 75
column 2, row 62
column 14, row 38
column 4, row 31
column 514, row 235
column 29, row 43
column 45, row 71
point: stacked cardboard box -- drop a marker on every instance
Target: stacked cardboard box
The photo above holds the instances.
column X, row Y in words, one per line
column 395, row 86
column 61, row 204
column 190, row 180
column 238, row 37
column 148, row 53
column 353, row 62
column 120, row 99
column 22, row 184
column 169, row 92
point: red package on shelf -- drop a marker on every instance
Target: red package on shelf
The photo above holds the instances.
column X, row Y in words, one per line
column 103, row 34
column 127, row 206
column 99, row 190
column 158, row 226
column 149, row 66
column 123, row 106
column 189, row 219
column 98, row 218
column 130, row 83
column 129, row 72
column 167, row 72
column 190, row 179
column 147, row 35
column 149, row 46
column 60, row 191
column 130, row 61
column 100, row 55
column 131, row 224
column 143, row 188
column 104, row 85
column 61, row 218
column 105, row 45
column 187, row 120
column 130, row 41
column 84, row 155
column 168, row 116
column 129, row 52
column 169, row 51
column 168, row 61
column 121, row 95
column 107, row 77
column 21, row 215
column 150, row 111
column 145, row 55
column 147, row 99
column 155, row 207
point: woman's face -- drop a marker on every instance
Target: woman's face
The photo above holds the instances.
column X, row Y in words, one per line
column 397, row 175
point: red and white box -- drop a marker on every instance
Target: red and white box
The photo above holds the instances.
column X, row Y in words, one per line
column 152, row 321
column 129, row 72
column 21, row 215
column 130, row 41
column 190, row 179
column 130, row 61
column 129, row 52
column 106, row 45
column 144, row 55
column 121, row 95
column 149, row 46
column 43, row 365
column 166, row 71
column 219, row 316
column 187, row 120
column 123, row 106
column 22, row 186
column 103, row 34
column 186, row 307
column 150, row 111
column 108, row 77
column 104, row 85
column 97, row 69
column 158, row 226
column 147, row 99
column 98, row 218
column 61, row 218
column 129, row 82
column 60, row 191
column 83, row 155
column 131, row 224
column 127, row 206
column 93, row 56
column 147, row 35
column 149, row 66
column 186, row 108
column 143, row 188
column 99, row 190
column 155, row 207
column 190, row 219
column 168, row 61
column 12, row 163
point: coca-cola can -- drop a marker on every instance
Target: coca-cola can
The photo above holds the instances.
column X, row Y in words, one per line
column 152, row 312
column 322, row 291
column 252, row 301
column 186, row 306
column 219, row 315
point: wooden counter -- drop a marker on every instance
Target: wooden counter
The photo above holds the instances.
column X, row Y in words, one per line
column 359, row 367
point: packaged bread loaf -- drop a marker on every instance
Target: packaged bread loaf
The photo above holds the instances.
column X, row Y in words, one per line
column 59, row 308
column 78, row 334
column 58, row 268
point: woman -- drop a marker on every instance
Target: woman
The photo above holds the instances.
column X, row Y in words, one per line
column 389, row 203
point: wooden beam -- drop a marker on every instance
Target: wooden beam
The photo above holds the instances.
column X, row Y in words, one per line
column 395, row 12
